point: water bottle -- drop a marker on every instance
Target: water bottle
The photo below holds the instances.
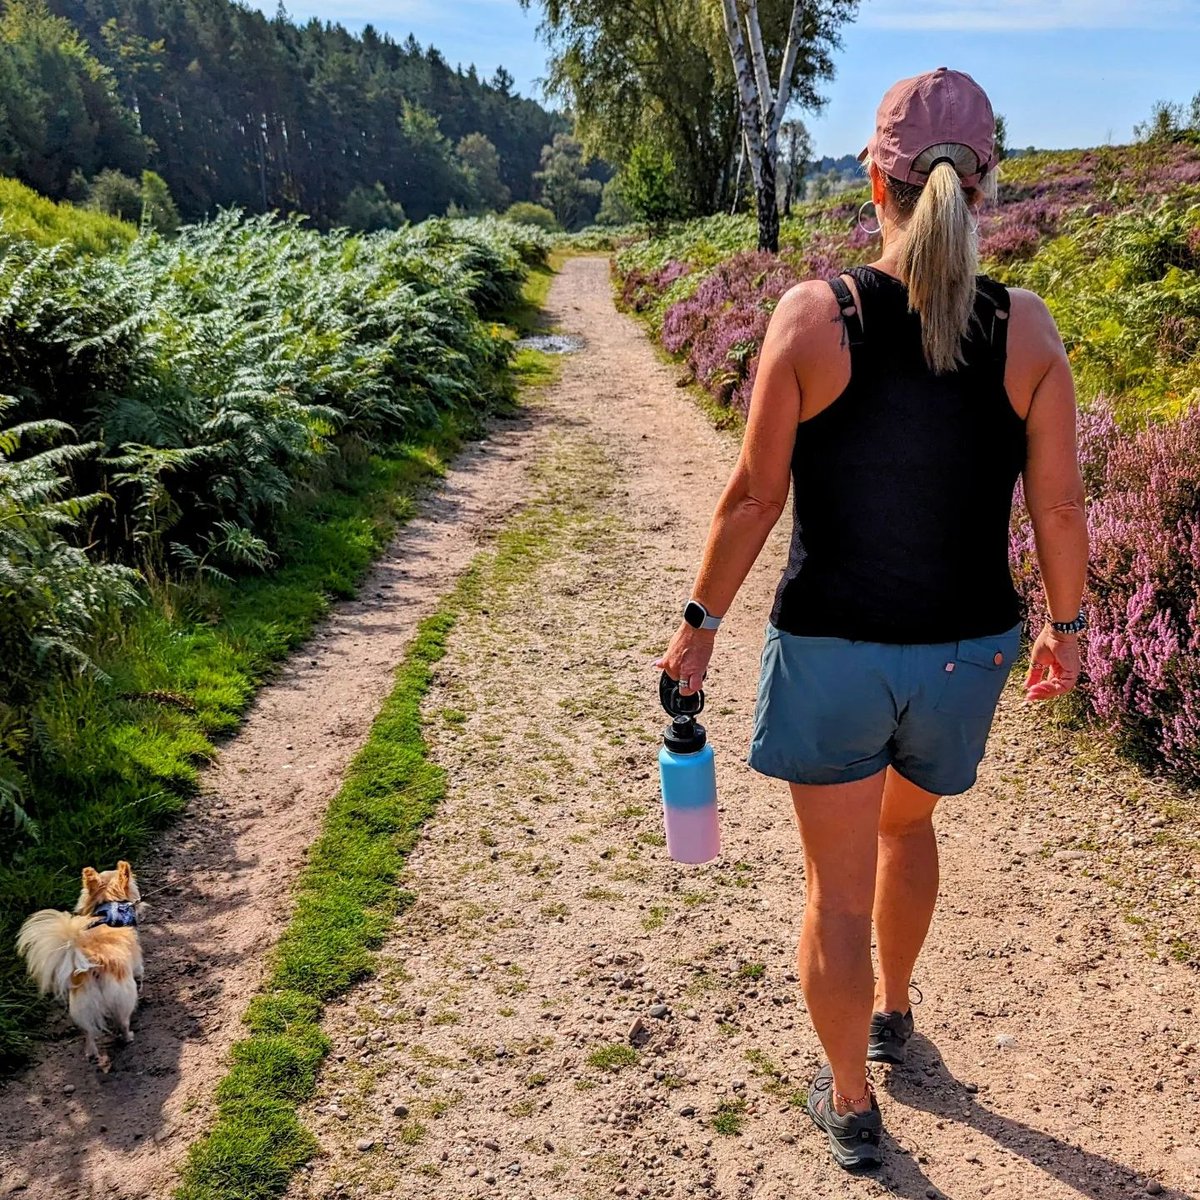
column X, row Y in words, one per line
column 689, row 779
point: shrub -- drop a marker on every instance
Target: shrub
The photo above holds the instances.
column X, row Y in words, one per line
column 367, row 209
column 720, row 327
column 53, row 598
column 526, row 213
column 27, row 217
column 648, row 185
column 117, row 195
column 1142, row 652
column 158, row 209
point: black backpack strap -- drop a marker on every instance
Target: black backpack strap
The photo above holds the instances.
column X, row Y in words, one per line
column 996, row 329
column 851, row 317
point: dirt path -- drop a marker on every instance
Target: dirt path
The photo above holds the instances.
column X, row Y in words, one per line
column 492, row 1056
column 220, row 887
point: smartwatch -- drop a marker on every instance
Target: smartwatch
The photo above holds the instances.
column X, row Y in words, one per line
column 698, row 617
column 1076, row 626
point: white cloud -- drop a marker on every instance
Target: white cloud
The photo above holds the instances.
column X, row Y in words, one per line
column 1020, row 16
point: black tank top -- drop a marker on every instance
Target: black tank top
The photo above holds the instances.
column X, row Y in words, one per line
column 902, row 488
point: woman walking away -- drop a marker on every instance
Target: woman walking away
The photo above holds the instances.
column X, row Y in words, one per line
column 903, row 399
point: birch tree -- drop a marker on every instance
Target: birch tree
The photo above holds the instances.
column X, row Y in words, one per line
column 811, row 29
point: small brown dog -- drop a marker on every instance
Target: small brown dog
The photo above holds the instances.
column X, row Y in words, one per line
column 91, row 959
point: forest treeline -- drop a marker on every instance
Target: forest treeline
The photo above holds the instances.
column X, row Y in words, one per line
column 234, row 108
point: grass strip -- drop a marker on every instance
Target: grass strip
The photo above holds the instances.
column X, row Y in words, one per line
column 347, row 898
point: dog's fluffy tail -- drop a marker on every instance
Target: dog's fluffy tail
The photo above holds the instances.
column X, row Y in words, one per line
column 49, row 943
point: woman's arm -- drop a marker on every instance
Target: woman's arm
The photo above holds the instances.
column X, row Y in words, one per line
column 1055, row 499
column 757, row 490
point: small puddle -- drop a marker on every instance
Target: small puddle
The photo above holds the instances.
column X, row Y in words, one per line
column 551, row 343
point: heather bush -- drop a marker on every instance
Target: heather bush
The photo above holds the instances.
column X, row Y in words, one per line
column 720, row 327
column 1142, row 652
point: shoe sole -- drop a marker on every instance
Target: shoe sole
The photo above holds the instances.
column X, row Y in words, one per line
column 865, row 1158
column 885, row 1056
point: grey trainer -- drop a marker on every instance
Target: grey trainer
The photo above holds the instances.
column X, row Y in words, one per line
column 853, row 1138
column 888, row 1039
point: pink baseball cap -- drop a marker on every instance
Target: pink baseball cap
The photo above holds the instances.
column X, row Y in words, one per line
column 928, row 110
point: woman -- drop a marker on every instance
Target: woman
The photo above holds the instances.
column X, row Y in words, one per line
column 903, row 400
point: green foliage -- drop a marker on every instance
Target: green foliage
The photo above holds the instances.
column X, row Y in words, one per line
column 537, row 215
column 481, row 162
column 613, row 1057
column 238, row 108
column 1001, row 137
column 53, row 598
column 565, row 188
column 1171, row 122
column 614, row 211
column 27, row 217
column 59, row 109
column 1125, row 292
column 252, row 399
column 117, row 195
column 158, row 208
column 368, row 209
column 649, row 185
column 644, row 70
column 729, row 1117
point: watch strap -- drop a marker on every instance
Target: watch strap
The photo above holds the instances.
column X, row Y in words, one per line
column 706, row 621
column 1078, row 625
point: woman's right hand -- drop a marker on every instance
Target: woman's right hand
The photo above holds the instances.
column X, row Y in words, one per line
column 1054, row 665
column 687, row 657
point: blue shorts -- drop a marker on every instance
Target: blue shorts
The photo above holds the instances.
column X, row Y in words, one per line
column 833, row 711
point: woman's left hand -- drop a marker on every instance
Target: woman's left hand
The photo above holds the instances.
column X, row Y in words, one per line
column 687, row 657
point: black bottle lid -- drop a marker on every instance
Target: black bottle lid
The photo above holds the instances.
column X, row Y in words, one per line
column 684, row 735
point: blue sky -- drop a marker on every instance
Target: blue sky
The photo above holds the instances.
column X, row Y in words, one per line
column 1063, row 72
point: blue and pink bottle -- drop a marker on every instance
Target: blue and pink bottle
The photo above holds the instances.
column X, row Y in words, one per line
column 689, row 779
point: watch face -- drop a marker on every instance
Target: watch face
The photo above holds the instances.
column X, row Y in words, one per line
column 694, row 614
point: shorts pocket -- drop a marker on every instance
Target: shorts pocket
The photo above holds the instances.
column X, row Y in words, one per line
column 975, row 677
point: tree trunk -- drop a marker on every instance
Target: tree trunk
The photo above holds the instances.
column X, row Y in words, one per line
column 768, row 213
column 737, row 182
column 761, row 111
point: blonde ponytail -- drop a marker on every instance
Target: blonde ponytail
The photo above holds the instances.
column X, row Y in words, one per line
column 940, row 256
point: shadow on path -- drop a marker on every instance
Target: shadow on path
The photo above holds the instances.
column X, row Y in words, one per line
column 925, row 1083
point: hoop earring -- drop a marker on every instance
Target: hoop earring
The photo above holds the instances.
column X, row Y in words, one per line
column 878, row 224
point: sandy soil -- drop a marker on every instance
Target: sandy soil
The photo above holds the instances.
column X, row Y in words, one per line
column 565, row 1013
column 220, row 885
column 1056, row 1052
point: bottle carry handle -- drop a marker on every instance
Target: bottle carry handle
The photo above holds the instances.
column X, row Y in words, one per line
column 675, row 704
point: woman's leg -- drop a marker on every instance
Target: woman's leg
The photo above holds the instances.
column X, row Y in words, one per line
column 906, row 886
column 839, row 826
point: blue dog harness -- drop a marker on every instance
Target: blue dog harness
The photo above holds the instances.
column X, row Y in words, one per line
column 118, row 914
